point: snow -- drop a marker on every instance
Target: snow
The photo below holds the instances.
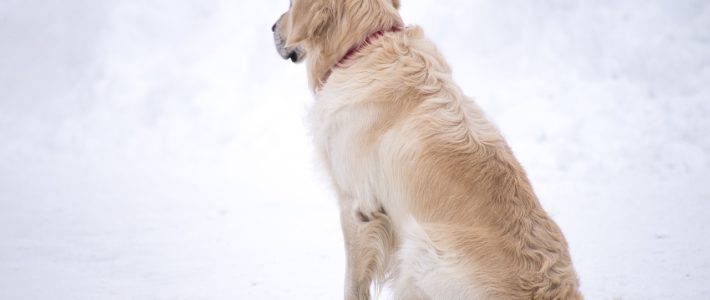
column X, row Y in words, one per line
column 157, row 149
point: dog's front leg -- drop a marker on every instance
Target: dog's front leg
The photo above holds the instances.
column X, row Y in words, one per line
column 369, row 243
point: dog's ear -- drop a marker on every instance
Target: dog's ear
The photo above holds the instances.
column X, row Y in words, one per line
column 308, row 19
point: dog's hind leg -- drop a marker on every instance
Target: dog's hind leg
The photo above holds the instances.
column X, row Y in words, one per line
column 369, row 243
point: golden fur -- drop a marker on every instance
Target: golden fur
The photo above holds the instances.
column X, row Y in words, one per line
column 432, row 199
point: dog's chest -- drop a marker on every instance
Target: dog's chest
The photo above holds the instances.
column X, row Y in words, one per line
column 345, row 137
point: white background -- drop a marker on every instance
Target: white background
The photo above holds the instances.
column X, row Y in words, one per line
column 156, row 149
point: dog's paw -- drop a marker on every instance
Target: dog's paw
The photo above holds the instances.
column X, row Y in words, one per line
column 366, row 217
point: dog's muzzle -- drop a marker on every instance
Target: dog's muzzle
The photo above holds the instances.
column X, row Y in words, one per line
column 295, row 54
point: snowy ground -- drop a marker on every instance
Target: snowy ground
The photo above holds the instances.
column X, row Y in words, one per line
column 156, row 149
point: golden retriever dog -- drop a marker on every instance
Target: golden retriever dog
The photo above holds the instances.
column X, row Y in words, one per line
column 432, row 201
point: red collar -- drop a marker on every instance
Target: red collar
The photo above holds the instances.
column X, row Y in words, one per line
column 370, row 38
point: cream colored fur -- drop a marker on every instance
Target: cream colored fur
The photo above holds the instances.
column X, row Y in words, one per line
column 432, row 199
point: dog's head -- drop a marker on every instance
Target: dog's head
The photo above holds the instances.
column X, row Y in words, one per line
column 310, row 23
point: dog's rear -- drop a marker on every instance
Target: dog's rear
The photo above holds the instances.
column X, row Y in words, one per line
column 430, row 194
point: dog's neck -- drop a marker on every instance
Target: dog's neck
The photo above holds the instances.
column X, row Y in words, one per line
column 354, row 50
column 368, row 40
column 333, row 47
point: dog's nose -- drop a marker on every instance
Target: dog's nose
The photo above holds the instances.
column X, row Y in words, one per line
column 273, row 28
